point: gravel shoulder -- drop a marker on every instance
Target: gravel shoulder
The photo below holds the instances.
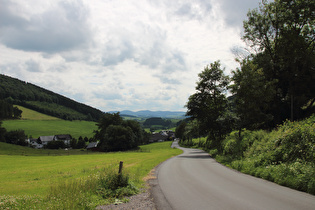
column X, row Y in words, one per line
column 139, row 202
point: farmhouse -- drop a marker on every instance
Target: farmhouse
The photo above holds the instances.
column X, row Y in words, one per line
column 92, row 146
column 162, row 136
column 63, row 137
column 43, row 140
column 34, row 143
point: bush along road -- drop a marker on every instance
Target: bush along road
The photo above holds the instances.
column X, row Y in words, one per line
column 194, row 180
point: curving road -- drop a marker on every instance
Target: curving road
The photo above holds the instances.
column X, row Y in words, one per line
column 193, row 180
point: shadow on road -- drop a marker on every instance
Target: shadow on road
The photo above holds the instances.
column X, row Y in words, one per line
column 195, row 156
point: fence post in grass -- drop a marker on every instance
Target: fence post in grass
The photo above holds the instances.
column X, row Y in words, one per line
column 120, row 167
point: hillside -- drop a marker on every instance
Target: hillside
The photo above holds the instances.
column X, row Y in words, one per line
column 39, row 99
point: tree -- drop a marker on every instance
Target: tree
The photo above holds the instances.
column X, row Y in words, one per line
column 116, row 134
column 282, row 33
column 2, row 132
column 15, row 137
column 56, row 145
column 180, row 130
column 80, row 143
column 73, row 143
column 253, row 96
column 209, row 103
column 118, row 138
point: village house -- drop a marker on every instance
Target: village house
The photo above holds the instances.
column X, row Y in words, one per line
column 43, row 140
column 162, row 136
column 92, row 146
column 34, row 143
column 63, row 137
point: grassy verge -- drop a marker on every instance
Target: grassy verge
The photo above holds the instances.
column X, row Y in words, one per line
column 285, row 155
column 74, row 181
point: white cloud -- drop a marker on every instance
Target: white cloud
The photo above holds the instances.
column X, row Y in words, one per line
column 117, row 55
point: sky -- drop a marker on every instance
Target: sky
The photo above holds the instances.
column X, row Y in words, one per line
column 119, row 55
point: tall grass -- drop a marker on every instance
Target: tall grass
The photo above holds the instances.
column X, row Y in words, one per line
column 99, row 188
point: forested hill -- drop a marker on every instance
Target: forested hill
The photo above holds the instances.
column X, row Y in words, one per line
column 39, row 99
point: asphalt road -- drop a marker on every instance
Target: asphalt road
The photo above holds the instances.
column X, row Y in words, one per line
column 193, row 180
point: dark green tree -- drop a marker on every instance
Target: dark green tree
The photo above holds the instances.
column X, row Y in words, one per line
column 180, row 130
column 80, row 143
column 209, row 103
column 137, row 131
column 253, row 96
column 282, row 34
column 73, row 143
column 115, row 134
column 15, row 137
column 56, row 145
column 2, row 132
column 117, row 138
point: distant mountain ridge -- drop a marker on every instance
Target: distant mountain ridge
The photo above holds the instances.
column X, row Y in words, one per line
column 148, row 113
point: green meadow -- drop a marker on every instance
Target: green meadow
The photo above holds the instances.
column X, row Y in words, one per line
column 70, row 179
column 36, row 124
column 34, row 174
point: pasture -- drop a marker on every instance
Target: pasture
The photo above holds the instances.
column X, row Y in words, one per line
column 36, row 124
column 34, row 174
column 36, row 181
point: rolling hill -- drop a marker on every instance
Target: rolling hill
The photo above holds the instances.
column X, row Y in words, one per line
column 39, row 99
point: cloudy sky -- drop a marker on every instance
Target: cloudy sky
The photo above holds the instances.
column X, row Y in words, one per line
column 119, row 54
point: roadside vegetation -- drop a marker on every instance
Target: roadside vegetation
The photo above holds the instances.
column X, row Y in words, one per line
column 75, row 181
column 285, row 155
column 266, row 128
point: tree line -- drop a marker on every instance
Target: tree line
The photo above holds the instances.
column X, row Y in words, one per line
column 8, row 111
column 275, row 80
column 15, row 91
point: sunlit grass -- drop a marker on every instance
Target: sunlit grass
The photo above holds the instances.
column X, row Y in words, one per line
column 33, row 175
column 36, row 128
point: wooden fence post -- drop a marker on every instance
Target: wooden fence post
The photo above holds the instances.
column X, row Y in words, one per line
column 120, row 167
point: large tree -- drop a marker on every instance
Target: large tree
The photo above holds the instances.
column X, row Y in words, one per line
column 253, row 96
column 116, row 134
column 209, row 103
column 282, row 35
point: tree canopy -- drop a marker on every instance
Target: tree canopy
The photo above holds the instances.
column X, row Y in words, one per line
column 282, row 34
column 116, row 134
column 273, row 83
column 209, row 102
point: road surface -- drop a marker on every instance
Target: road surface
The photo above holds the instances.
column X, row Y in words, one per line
column 193, row 180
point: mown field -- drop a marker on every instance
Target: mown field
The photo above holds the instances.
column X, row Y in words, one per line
column 34, row 175
column 36, row 124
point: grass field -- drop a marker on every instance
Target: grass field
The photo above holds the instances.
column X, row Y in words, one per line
column 36, row 128
column 28, row 114
column 35, row 174
column 36, row 124
column 72, row 179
